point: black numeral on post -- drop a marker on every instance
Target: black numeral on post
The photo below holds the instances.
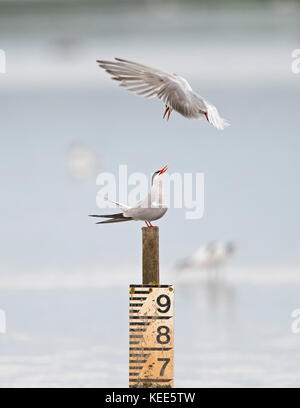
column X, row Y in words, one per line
column 164, row 303
column 166, row 362
column 163, row 336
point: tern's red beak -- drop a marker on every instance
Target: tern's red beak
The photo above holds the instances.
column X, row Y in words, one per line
column 165, row 168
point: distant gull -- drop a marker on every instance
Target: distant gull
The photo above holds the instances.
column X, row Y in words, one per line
column 150, row 209
column 172, row 89
column 211, row 256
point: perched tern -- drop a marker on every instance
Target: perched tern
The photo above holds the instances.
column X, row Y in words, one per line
column 172, row 89
column 150, row 209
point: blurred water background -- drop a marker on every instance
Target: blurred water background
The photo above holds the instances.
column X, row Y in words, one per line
column 63, row 121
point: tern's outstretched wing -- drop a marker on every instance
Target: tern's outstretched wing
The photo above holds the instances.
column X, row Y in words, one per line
column 172, row 89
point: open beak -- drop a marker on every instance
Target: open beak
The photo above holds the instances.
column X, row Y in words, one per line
column 165, row 168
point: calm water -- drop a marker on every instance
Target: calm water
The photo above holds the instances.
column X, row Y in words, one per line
column 230, row 332
column 58, row 271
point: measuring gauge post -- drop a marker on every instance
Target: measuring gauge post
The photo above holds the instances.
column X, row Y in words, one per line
column 151, row 336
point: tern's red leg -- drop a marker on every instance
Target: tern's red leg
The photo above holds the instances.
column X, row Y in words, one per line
column 169, row 113
column 151, row 226
column 147, row 224
column 206, row 116
column 166, row 111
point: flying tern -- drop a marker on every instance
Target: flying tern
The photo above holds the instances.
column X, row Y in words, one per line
column 150, row 209
column 172, row 89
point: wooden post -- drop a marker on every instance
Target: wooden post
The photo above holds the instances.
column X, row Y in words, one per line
column 150, row 255
column 151, row 323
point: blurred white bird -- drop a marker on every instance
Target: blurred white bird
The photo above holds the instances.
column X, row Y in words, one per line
column 210, row 256
column 150, row 209
column 172, row 89
column 82, row 162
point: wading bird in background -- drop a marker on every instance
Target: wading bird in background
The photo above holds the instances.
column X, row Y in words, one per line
column 211, row 256
column 150, row 209
column 172, row 89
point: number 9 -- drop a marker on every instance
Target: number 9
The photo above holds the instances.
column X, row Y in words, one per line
column 164, row 303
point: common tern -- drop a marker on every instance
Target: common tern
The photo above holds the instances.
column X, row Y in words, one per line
column 172, row 89
column 150, row 209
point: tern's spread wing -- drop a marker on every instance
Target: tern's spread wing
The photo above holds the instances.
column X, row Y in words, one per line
column 172, row 89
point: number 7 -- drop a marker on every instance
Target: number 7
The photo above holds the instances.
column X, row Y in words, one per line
column 166, row 362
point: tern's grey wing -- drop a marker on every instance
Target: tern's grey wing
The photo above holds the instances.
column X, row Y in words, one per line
column 149, row 214
column 146, row 210
column 141, row 210
column 172, row 89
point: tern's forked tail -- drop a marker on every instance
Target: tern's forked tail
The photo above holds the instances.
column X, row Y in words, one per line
column 214, row 118
column 113, row 218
